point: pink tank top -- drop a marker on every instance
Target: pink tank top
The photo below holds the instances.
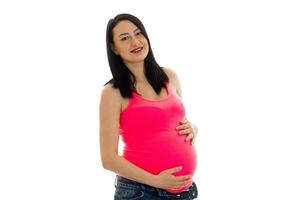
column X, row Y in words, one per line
column 151, row 141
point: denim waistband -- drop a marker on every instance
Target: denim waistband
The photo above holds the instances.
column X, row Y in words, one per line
column 124, row 182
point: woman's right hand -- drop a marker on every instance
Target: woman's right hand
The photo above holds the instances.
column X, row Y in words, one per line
column 166, row 179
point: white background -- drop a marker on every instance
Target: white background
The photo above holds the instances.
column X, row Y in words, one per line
column 238, row 63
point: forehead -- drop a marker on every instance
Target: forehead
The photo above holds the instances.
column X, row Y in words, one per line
column 124, row 26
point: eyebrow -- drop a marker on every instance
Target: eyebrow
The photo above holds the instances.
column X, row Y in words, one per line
column 128, row 33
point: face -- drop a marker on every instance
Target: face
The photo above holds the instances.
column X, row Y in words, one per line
column 129, row 42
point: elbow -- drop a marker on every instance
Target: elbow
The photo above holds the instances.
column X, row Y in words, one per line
column 107, row 163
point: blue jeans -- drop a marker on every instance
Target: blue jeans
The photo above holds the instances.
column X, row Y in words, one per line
column 131, row 190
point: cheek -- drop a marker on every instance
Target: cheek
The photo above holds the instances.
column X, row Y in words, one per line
column 123, row 49
column 145, row 42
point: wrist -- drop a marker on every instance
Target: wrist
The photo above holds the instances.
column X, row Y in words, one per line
column 152, row 180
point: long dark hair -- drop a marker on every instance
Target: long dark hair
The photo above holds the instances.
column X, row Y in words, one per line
column 123, row 78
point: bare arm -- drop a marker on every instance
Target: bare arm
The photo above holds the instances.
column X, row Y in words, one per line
column 174, row 80
column 109, row 110
column 176, row 83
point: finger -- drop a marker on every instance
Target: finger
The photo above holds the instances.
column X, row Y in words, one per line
column 184, row 177
column 181, row 184
column 174, row 170
column 185, row 131
column 190, row 136
column 193, row 140
column 184, row 126
column 175, row 187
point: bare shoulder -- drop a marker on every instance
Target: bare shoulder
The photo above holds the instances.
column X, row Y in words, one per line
column 109, row 114
column 108, row 91
column 170, row 72
column 174, row 80
column 110, row 96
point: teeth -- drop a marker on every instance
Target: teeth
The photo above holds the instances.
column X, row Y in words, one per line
column 137, row 50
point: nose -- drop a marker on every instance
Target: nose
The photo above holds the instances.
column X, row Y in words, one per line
column 135, row 41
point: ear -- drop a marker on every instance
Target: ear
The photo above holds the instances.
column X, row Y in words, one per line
column 113, row 49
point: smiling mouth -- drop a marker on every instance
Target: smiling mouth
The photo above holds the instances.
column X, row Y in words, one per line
column 137, row 50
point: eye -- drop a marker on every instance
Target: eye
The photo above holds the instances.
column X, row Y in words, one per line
column 138, row 33
column 124, row 38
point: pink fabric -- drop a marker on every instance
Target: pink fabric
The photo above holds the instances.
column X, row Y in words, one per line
column 151, row 140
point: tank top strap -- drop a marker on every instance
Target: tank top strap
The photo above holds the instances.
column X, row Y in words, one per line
column 168, row 88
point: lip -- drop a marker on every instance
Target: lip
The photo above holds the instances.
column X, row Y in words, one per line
column 132, row 51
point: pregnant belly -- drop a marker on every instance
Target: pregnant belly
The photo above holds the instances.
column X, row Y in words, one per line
column 167, row 151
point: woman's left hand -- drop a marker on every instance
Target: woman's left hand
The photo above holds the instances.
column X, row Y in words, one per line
column 188, row 128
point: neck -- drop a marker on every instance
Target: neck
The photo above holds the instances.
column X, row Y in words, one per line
column 138, row 71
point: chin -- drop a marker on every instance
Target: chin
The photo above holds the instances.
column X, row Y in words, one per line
column 138, row 58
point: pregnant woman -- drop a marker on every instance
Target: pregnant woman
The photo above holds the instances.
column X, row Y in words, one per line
column 142, row 103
